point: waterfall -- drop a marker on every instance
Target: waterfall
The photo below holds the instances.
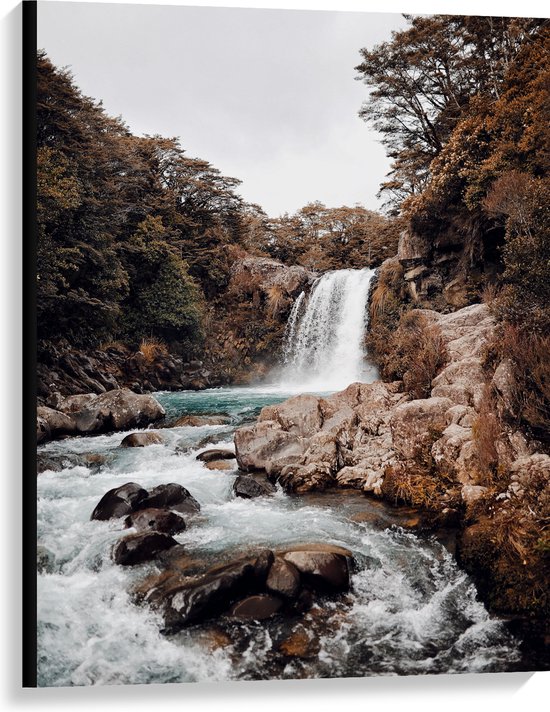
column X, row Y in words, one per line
column 324, row 341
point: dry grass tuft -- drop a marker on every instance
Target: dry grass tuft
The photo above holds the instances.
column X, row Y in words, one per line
column 486, row 431
column 529, row 354
column 419, row 353
column 152, row 348
column 275, row 300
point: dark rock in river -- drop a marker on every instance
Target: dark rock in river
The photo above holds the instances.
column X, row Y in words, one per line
column 283, row 578
column 56, row 463
column 324, row 567
column 216, row 454
column 119, row 501
column 137, row 548
column 45, row 560
column 248, row 487
column 170, row 496
column 158, row 520
column 258, row 607
column 142, row 440
column 211, row 593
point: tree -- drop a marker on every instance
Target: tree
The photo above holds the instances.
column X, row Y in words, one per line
column 422, row 82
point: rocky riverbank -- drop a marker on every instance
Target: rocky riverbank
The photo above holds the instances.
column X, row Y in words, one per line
column 428, row 452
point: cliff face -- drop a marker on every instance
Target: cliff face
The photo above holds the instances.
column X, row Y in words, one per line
column 448, row 268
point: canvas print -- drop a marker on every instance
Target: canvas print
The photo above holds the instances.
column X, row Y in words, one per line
column 292, row 311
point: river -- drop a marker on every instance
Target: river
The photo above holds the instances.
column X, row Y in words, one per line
column 411, row 610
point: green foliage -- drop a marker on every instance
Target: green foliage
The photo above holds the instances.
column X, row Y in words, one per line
column 164, row 301
column 131, row 231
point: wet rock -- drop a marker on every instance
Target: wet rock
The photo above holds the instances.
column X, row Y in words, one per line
column 119, row 409
column 141, row 440
column 249, row 487
column 301, row 643
column 159, row 520
column 138, row 548
column 216, row 454
column 258, row 607
column 56, row 463
column 170, row 496
column 219, row 465
column 45, row 560
column 203, row 596
column 197, row 421
column 324, row 567
column 283, row 578
column 119, row 501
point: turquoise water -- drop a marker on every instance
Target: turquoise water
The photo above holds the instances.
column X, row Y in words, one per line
column 240, row 403
column 411, row 610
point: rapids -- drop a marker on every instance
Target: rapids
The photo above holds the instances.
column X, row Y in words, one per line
column 411, row 610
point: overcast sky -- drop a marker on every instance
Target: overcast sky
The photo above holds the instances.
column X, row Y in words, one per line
column 267, row 96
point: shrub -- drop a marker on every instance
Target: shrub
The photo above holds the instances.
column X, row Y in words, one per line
column 415, row 353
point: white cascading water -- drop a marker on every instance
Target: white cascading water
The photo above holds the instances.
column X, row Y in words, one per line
column 324, row 343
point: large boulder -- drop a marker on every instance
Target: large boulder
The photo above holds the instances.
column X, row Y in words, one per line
column 170, row 496
column 58, row 423
column 299, row 415
column 250, row 487
column 283, row 579
column 323, row 567
column 143, row 546
column 266, row 446
column 200, row 597
column 158, row 520
column 119, row 502
column 120, row 409
column 299, row 479
column 142, row 440
column 417, row 424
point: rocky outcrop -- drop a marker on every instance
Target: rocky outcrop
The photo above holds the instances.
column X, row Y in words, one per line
column 352, row 438
column 253, row 587
column 64, row 370
column 84, row 414
column 442, row 262
column 264, row 273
